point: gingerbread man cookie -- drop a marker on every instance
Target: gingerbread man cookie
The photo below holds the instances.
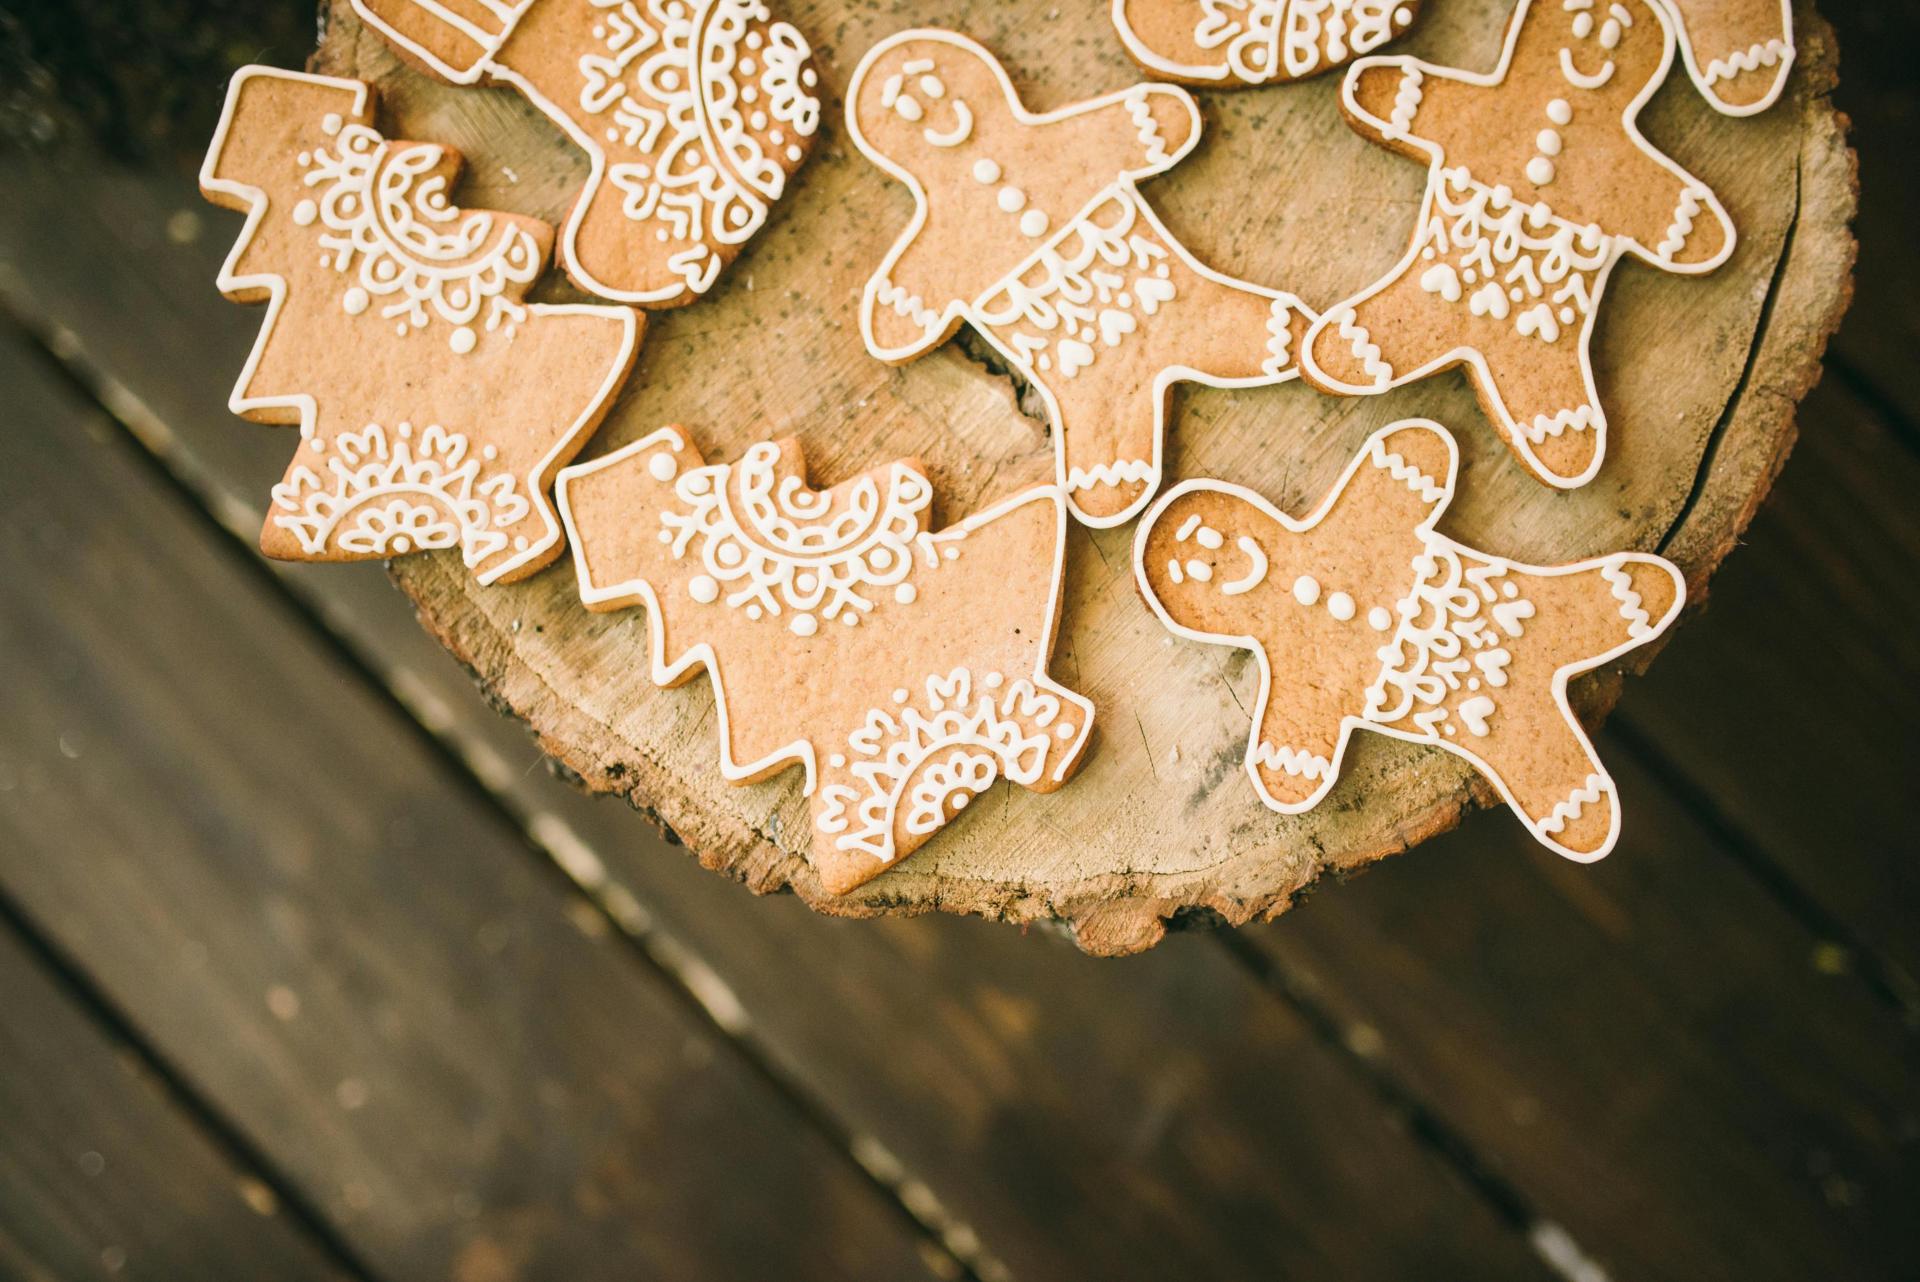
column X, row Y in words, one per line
column 1747, row 46
column 1255, row 42
column 904, row 670
column 1029, row 228
column 1362, row 617
column 434, row 405
column 693, row 115
column 1539, row 182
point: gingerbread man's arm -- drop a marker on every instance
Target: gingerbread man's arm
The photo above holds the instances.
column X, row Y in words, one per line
column 1141, row 131
column 911, row 305
column 1671, row 219
column 1402, row 479
column 1403, row 103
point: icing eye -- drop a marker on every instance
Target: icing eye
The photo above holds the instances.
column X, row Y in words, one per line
column 1582, row 25
column 907, row 108
column 931, row 86
column 1610, row 33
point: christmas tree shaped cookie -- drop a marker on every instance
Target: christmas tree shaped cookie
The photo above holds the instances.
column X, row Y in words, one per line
column 434, row 405
column 1029, row 228
column 1255, row 42
column 1737, row 51
column 904, row 670
column 693, row 114
column 1363, row 618
column 1539, row 183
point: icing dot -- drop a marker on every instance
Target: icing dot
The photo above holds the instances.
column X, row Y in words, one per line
column 960, row 800
column 1340, row 606
column 1548, row 141
column 1209, row 537
column 401, row 544
column 661, row 466
column 746, row 66
column 305, row 158
column 950, row 552
column 462, row 340
column 794, row 153
column 754, row 612
column 1199, row 570
column 1559, row 112
column 728, row 554
column 355, row 301
column 1539, row 171
column 838, row 761
column 899, row 696
column 1064, row 730
column 809, row 77
column 305, row 212
column 666, row 536
column 489, row 452
column 1033, row 223
column 1566, row 315
column 1378, row 619
column 519, row 543
column 993, row 681
column 905, row 593
column 849, row 617
column 985, row 170
column 1306, row 590
column 1012, row 199
column 1402, row 16
column 805, row 582
column 1514, row 293
column 331, row 122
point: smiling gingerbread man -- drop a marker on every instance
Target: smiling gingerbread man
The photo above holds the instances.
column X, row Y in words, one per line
column 1539, row 183
column 1029, row 228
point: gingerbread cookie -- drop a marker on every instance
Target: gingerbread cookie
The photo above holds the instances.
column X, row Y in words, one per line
column 904, row 670
column 693, row 115
column 1255, row 42
column 1747, row 46
column 1029, row 228
column 434, row 405
column 1362, row 617
column 1539, row 183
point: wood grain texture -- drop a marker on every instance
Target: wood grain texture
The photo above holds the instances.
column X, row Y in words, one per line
column 1160, row 823
column 313, row 920
column 1017, row 1054
column 103, row 1174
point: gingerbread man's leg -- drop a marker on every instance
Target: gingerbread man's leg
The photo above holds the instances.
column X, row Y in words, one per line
column 1106, row 321
column 1393, row 333
column 1538, row 388
column 1520, row 730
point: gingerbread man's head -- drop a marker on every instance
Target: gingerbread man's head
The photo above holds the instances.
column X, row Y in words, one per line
column 919, row 98
column 1605, row 53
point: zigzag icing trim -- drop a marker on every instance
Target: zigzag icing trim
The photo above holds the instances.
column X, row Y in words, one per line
column 1565, row 812
column 1429, row 490
column 1639, row 622
column 1760, row 54
column 1405, row 103
column 1682, row 227
column 1364, row 349
column 1131, row 469
column 1279, row 338
column 1293, row 761
column 896, row 298
column 1142, row 116
column 1580, row 419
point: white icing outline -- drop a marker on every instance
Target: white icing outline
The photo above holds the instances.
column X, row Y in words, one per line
column 967, row 311
column 231, row 281
column 666, row 672
column 509, row 12
column 1216, row 74
column 1352, row 722
column 1748, row 59
column 1342, row 313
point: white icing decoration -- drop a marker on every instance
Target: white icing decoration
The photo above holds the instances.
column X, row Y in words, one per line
column 1340, row 606
column 1256, row 570
column 1448, row 654
column 1258, row 41
column 1086, row 279
column 703, row 588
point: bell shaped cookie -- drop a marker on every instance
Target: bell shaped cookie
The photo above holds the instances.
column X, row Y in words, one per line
column 904, row 670
column 693, row 115
column 1538, row 183
column 434, row 404
column 1363, row 617
column 1255, row 42
column 1029, row 228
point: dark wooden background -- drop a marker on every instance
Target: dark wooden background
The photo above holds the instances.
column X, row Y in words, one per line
column 309, row 968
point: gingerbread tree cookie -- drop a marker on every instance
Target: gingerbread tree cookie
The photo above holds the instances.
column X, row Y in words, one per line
column 1029, row 228
column 1255, row 42
column 1362, row 617
column 904, row 670
column 1738, row 52
column 693, row 115
column 434, row 405
column 1539, row 183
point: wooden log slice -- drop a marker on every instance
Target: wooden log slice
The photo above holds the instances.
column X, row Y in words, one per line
column 1700, row 377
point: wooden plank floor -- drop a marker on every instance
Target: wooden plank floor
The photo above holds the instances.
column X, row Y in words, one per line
column 309, row 969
